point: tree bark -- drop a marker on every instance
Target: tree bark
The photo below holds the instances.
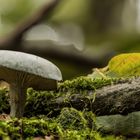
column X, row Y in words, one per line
column 120, row 98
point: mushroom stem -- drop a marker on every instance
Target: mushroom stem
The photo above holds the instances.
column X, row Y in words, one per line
column 17, row 100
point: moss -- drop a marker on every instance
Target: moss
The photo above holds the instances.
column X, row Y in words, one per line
column 4, row 101
column 86, row 83
column 27, row 128
column 37, row 102
column 70, row 124
column 71, row 118
column 47, row 102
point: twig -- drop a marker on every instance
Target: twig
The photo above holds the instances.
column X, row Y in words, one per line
column 12, row 40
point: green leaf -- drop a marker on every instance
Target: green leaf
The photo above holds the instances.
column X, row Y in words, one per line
column 124, row 65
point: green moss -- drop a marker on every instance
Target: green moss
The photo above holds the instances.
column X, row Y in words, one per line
column 44, row 102
column 4, row 101
column 38, row 102
column 71, row 118
column 86, row 83
column 27, row 128
column 70, row 124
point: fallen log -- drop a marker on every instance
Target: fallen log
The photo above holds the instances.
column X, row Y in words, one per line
column 120, row 97
column 115, row 103
column 102, row 97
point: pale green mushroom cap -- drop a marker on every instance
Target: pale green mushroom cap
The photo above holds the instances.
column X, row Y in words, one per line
column 33, row 70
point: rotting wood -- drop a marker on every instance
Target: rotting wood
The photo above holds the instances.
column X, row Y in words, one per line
column 121, row 98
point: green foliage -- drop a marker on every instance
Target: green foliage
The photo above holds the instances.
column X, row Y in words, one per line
column 27, row 128
column 11, row 129
column 37, row 102
column 70, row 124
column 44, row 102
column 75, row 15
column 71, row 118
column 4, row 104
column 15, row 11
column 86, row 83
column 124, row 65
column 121, row 66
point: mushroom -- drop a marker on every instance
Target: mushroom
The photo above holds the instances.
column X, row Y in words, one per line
column 22, row 70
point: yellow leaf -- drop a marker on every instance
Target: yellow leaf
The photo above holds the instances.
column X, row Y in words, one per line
column 124, row 65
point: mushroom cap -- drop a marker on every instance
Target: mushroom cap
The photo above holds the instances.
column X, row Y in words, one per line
column 40, row 69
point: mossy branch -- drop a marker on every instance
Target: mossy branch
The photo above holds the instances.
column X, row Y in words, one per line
column 101, row 96
column 116, row 96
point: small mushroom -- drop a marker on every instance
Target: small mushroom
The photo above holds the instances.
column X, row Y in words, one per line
column 22, row 70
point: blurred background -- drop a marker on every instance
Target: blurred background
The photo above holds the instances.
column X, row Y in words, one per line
column 76, row 35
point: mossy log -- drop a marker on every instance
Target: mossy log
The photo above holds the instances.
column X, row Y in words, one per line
column 116, row 103
column 106, row 97
column 121, row 97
